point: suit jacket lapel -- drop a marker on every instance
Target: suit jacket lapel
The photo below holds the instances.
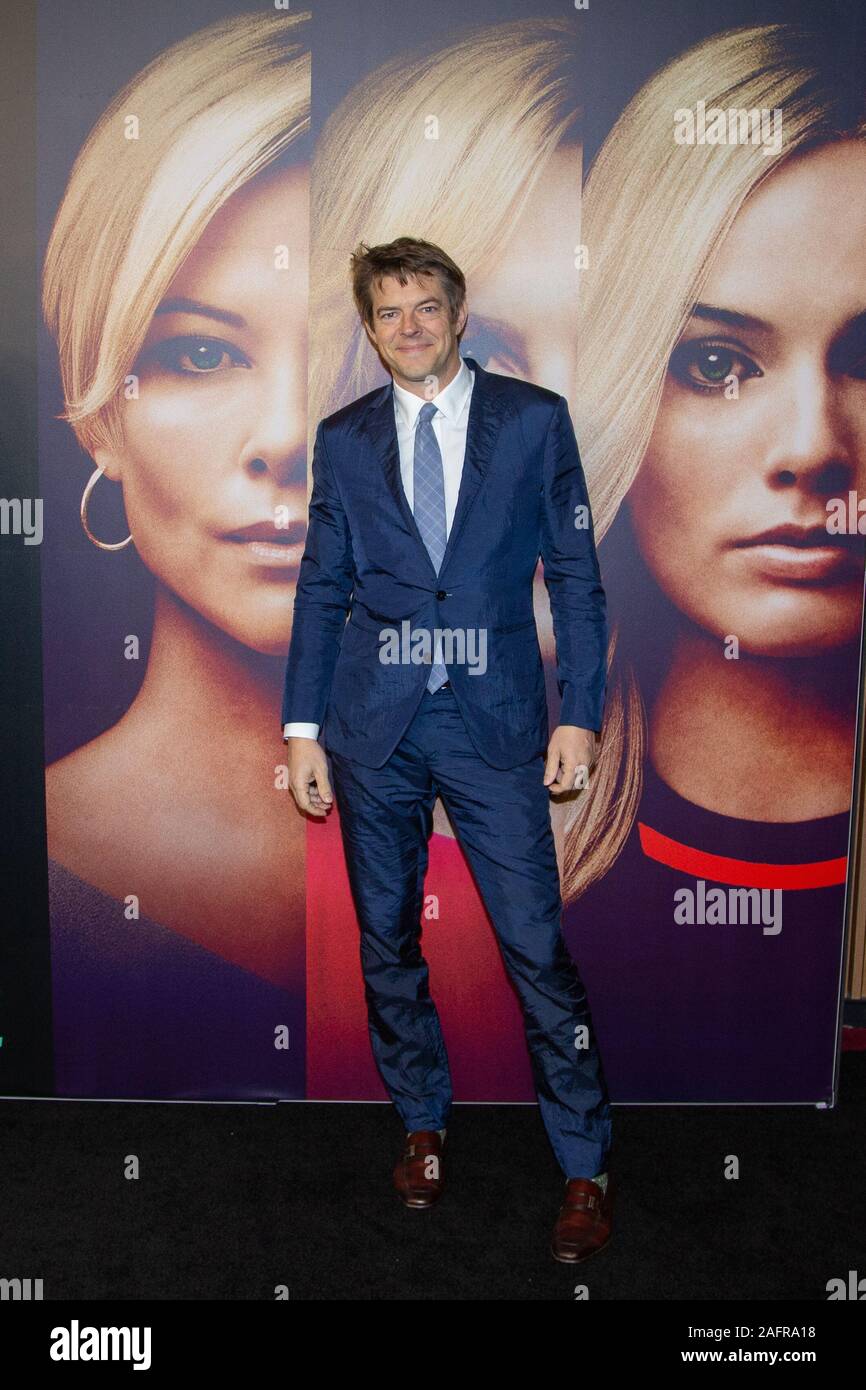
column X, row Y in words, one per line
column 381, row 429
column 488, row 408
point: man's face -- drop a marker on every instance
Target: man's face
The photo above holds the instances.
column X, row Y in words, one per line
column 414, row 334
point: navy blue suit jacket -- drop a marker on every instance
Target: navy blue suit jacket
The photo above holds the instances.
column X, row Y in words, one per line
column 522, row 494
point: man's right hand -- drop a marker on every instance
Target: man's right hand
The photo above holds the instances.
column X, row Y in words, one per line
column 308, row 776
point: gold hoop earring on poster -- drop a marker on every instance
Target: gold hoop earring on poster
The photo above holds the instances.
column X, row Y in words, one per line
column 85, row 498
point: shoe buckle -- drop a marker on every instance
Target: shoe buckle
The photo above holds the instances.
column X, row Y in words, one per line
column 585, row 1201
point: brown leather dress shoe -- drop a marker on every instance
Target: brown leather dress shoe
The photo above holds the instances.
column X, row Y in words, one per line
column 419, row 1174
column 584, row 1221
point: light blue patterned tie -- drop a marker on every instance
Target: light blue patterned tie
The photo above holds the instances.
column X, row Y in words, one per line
column 428, row 505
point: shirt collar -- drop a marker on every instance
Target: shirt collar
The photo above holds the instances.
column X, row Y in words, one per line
column 450, row 401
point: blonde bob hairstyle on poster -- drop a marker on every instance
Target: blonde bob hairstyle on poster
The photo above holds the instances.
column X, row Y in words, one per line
column 654, row 214
column 210, row 112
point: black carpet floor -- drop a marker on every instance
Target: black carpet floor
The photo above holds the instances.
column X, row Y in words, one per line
column 232, row 1201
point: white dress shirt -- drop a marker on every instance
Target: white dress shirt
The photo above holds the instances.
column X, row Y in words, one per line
column 449, row 426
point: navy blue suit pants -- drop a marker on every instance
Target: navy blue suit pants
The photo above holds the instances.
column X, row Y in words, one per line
column 502, row 822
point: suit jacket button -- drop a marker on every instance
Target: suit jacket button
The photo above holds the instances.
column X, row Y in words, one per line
column 440, row 594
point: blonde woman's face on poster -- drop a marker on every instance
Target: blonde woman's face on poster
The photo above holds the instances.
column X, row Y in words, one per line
column 719, row 472
column 523, row 303
column 216, row 441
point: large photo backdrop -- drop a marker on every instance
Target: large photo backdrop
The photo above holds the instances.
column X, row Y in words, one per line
column 174, row 289
column 701, row 310
column 661, row 218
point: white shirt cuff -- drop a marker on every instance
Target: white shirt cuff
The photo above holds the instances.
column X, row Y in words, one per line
column 300, row 731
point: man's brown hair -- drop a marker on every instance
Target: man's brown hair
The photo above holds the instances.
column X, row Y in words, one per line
column 405, row 257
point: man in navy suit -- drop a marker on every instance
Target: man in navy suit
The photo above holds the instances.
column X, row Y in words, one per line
column 433, row 498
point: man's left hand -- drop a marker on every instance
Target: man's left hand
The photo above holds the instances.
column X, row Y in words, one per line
column 570, row 755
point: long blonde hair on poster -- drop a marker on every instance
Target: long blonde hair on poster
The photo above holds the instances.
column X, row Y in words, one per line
column 446, row 146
